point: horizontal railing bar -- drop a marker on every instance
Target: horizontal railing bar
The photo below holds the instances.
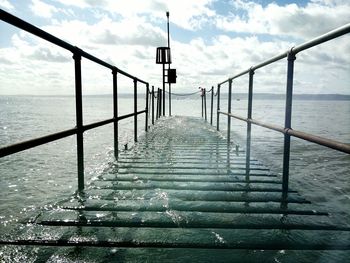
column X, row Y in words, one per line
column 339, row 146
column 21, row 146
column 18, row 147
column 139, row 80
column 314, row 42
column 241, row 74
column 343, row 147
column 97, row 124
column 17, row 22
column 125, row 116
column 233, row 116
column 269, row 61
column 130, row 115
column 256, row 122
column 224, row 82
column 323, row 38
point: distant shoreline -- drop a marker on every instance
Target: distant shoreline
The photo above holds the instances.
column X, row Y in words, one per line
column 235, row 96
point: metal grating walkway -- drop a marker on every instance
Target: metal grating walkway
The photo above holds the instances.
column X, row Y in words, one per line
column 182, row 187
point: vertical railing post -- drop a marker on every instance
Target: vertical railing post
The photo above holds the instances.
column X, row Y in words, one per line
column 287, row 123
column 202, row 96
column 205, row 104
column 157, row 111
column 147, row 95
column 229, row 111
column 160, row 102
column 163, row 92
column 249, row 125
column 115, row 112
column 169, row 94
column 211, row 105
column 79, row 120
column 135, row 110
column 152, row 105
column 218, row 110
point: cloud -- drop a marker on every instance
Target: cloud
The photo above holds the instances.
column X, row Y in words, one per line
column 127, row 34
column 188, row 14
column 203, row 64
column 315, row 18
column 45, row 54
column 6, row 5
column 42, row 9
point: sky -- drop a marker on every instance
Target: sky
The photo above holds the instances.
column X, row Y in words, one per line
column 211, row 40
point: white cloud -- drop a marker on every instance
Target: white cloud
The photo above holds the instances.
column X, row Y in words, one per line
column 134, row 31
column 290, row 20
column 6, row 5
column 189, row 14
column 42, row 9
column 129, row 43
column 205, row 65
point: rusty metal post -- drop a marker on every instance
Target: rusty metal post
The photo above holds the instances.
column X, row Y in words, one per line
column 115, row 112
column 211, row 105
column 79, row 120
column 135, row 110
column 229, row 111
column 249, row 125
column 152, row 105
column 287, row 123
column 218, row 109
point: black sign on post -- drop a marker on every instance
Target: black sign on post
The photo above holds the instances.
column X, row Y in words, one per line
column 172, row 75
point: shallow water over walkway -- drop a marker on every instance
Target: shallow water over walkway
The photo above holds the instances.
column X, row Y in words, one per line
column 181, row 193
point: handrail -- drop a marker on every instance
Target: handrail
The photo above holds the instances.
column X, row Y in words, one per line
column 21, row 146
column 342, row 147
column 80, row 127
column 286, row 129
column 19, row 23
column 314, row 42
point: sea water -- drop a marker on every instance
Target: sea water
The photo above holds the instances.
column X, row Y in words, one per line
column 48, row 173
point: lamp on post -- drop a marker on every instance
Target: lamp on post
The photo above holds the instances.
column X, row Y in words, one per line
column 163, row 57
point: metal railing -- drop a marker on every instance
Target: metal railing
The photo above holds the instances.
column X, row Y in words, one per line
column 80, row 128
column 287, row 128
column 204, row 103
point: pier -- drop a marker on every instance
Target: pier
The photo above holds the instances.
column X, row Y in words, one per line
column 183, row 185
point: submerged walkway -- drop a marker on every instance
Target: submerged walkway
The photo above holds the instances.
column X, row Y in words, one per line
column 181, row 186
